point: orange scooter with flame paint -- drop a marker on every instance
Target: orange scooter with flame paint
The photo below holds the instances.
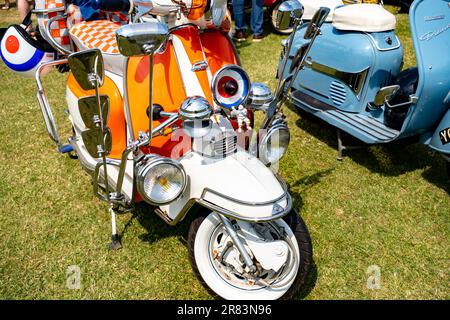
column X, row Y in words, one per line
column 162, row 112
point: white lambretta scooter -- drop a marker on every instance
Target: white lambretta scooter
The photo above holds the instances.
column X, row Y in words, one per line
column 246, row 242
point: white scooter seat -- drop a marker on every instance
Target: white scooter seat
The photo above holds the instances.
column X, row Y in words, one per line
column 311, row 7
column 100, row 34
column 363, row 17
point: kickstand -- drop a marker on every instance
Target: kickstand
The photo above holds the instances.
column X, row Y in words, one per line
column 115, row 239
column 341, row 147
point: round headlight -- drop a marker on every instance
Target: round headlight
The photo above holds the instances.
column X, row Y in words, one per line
column 160, row 180
column 230, row 86
column 274, row 144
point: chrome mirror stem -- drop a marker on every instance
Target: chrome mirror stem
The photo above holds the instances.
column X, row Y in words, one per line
column 150, row 49
column 297, row 23
column 280, row 96
column 95, row 79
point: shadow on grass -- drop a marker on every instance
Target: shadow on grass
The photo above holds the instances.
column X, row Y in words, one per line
column 310, row 283
column 393, row 159
column 303, row 184
column 156, row 228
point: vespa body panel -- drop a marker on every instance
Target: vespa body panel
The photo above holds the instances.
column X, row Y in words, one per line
column 430, row 30
column 344, row 71
column 325, row 86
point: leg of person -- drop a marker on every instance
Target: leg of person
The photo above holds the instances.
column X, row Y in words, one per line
column 239, row 20
column 257, row 19
column 6, row 6
column 23, row 7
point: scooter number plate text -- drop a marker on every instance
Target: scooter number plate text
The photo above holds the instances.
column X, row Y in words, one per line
column 445, row 136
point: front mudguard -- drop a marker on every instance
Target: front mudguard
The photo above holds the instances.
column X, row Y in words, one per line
column 238, row 186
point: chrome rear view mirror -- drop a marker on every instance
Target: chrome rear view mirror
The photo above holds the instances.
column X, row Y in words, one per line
column 88, row 108
column 316, row 22
column 288, row 12
column 140, row 39
column 143, row 39
column 94, row 111
column 299, row 55
column 87, row 67
column 94, row 139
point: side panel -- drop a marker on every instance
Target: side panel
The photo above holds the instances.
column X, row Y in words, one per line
column 167, row 88
column 218, row 50
column 346, row 69
column 430, row 30
column 116, row 119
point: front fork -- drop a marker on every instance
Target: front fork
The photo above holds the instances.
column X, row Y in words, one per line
column 238, row 243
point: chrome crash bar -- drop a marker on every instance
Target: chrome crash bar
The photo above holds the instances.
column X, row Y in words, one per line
column 46, row 110
column 53, row 42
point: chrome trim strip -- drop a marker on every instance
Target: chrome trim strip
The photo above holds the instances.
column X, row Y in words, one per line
column 126, row 100
column 354, row 81
column 48, row 10
column 246, row 203
column 380, row 49
column 233, row 215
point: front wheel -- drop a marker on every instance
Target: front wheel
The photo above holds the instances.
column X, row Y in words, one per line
column 220, row 268
column 273, row 11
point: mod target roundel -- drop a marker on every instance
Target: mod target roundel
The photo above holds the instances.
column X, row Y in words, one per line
column 231, row 86
column 20, row 52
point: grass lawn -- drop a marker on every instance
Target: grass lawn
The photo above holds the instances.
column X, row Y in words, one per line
column 383, row 206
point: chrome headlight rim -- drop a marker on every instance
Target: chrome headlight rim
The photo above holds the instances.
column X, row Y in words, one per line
column 150, row 162
column 216, row 78
column 263, row 146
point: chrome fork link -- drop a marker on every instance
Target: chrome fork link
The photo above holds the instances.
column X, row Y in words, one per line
column 238, row 243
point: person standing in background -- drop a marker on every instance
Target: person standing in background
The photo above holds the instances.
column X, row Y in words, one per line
column 6, row 6
column 256, row 20
column 23, row 7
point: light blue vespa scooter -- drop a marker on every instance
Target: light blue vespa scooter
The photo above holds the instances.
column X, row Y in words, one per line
column 351, row 76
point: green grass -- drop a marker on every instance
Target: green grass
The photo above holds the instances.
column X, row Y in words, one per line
column 385, row 206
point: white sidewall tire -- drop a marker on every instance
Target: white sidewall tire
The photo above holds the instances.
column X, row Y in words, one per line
column 217, row 284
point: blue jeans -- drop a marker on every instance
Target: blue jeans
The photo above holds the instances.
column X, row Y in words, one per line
column 90, row 9
column 257, row 17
